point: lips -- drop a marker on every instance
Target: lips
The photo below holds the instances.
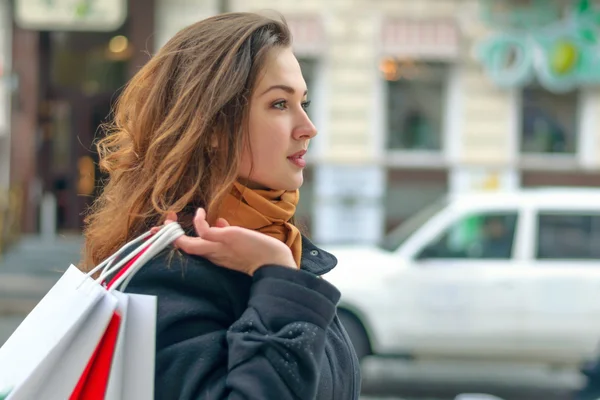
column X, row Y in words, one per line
column 298, row 154
column 297, row 159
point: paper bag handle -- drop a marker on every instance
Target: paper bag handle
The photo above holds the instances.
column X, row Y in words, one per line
column 152, row 246
column 165, row 237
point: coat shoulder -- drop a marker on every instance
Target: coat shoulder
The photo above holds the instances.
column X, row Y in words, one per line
column 176, row 276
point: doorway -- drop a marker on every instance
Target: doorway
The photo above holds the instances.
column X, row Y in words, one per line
column 82, row 75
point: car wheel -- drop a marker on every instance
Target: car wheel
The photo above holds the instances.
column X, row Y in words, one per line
column 357, row 333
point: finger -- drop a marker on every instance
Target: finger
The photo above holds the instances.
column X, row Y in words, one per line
column 200, row 222
column 222, row 223
column 171, row 217
column 196, row 246
column 155, row 230
column 217, row 235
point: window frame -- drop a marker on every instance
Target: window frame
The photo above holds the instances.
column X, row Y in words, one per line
column 451, row 123
column 559, row 161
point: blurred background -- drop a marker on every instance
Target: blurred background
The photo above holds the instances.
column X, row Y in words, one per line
column 415, row 100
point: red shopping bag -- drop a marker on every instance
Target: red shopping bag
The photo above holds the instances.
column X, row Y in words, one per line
column 94, row 381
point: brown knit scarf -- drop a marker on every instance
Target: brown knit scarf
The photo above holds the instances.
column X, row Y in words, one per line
column 266, row 211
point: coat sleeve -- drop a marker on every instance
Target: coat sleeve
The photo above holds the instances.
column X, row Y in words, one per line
column 273, row 351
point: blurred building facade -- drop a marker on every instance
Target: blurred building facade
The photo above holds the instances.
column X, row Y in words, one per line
column 5, row 62
column 69, row 61
column 405, row 111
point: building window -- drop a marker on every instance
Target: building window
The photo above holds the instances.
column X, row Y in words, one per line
column 416, row 97
column 573, row 236
column 549, row 121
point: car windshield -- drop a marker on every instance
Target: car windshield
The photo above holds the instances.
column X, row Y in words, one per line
column 399, row 235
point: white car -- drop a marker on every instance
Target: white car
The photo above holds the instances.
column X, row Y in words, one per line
column 501, row 276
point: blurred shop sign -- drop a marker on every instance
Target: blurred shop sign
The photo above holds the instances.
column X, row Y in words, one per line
column 71, row 15
column 533, row 40
column 349, row 204
column 468, row 180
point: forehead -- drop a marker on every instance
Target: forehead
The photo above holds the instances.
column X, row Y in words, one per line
column 281, row 68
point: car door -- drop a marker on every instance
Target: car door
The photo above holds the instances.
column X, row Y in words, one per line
column 464, row 286
column 562, row 304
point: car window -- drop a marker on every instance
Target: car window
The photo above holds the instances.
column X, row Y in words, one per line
column 570, row 236
column 476, row 236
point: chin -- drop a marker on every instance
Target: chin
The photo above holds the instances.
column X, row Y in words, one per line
column 292, row 183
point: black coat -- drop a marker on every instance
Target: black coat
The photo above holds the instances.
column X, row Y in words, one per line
column 222, row 334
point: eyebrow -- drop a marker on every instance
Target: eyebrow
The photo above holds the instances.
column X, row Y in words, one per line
column 285, row 88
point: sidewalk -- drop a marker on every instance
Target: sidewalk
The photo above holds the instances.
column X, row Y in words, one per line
column 30, row 268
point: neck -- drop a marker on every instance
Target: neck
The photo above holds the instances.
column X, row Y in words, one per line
column 252, row 185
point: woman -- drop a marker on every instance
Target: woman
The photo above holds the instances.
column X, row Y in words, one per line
column 212, row 132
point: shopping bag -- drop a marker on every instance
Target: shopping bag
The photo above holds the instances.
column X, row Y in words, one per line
column 65, row 327
column 93, row 382
column 138, row 350
column 103, row 376
column 89, row 323
column 114, row 380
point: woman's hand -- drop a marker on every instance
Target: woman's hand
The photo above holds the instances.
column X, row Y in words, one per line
column 233, row 247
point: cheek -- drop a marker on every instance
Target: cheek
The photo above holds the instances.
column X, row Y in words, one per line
column 245, row 163
column 269, row 143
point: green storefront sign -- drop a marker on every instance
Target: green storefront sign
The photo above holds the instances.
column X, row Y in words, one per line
column 535, row 43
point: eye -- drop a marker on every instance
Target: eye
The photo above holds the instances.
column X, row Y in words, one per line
column 306, row 104
column 280, row 105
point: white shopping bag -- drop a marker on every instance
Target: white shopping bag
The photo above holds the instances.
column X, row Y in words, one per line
column 132, row 369
column 54, row 344
column 140, row 348
column 70, row 320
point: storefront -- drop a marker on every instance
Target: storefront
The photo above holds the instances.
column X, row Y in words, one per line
column 72, row 60
column 541, row 56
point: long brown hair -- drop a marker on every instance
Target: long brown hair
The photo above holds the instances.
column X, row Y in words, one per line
column 179, row 127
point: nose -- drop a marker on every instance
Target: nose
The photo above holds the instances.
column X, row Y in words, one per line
column 305, row 129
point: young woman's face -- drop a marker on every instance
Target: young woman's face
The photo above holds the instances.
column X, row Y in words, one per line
column 280, row 129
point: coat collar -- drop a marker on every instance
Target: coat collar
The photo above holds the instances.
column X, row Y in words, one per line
column 316, row 260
